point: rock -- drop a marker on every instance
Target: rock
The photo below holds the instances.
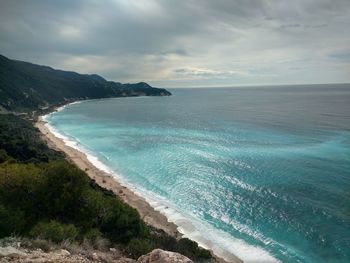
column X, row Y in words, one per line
column 112, row 249
column 91, row 256
column 94, row 256
column 125, row 260
column 162, row 256
column 65, row 252
column 11, row 252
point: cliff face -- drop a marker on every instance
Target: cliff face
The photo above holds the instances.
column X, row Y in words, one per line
column 25, row 86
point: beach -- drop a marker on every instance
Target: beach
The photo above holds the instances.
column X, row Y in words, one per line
column 105, row 180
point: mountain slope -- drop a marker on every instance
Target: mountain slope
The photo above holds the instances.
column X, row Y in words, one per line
column 25, row 86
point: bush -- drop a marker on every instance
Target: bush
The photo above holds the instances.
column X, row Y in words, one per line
column 60, row 191
column 22, row 141
column 36, row 243
column 65, row 184
column 92, row 234
column 54, row 231
column 11, row 222
column 3, row 156
column 190, row 249
column 22, row 188
column 121, row 223
column 102, row 244
column 138, row 247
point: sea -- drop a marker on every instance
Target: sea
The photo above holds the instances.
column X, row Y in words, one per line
column 259, row 172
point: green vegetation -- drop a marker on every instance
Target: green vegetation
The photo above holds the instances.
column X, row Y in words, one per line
column 42, row 195
column 19, row 139
column 27, row 87
column 54, row 231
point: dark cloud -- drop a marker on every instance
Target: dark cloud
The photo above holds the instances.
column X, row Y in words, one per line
column 290, row 26
column 342, row 55
column 316, row 26
column 162, row 41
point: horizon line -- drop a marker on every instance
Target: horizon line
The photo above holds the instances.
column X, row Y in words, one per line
column 250, row 85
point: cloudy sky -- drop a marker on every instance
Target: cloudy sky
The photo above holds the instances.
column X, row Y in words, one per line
column 172, row 43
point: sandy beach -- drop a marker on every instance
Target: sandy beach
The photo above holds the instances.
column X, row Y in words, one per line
column 105, row 180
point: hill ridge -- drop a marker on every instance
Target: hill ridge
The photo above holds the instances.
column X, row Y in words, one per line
column 25, row 86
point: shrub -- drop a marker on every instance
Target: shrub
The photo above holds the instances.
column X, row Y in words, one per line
column 36, row 243
column 121, row 223
column 190, row 249
column 101, row 244
column 11, row 222
column 3, row 156
column 92, row 234
column 54, row 231
column 21, row 188
column 65, row 184
column 138, row 247
column 22, row 141
column 160, row 239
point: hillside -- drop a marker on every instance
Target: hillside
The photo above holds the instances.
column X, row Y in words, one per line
column 25, row 86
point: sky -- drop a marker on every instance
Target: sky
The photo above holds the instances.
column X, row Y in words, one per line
column 189, row 43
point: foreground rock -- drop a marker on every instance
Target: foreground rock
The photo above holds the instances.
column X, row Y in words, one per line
column 24, row 255
column 11, row 252
column 21, row 255
column 161, row 256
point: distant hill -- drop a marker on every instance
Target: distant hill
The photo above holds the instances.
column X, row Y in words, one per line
column 25, row 86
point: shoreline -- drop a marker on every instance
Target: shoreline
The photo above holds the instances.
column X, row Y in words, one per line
column 104, row 179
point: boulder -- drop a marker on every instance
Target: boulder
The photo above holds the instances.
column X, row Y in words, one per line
column 125, row 260
column 65, row 252
column 162, row 256
column 11, row 252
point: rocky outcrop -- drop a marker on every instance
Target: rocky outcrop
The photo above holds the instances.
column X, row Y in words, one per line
column 11, row 252
column 19, row 254
column 161, row 256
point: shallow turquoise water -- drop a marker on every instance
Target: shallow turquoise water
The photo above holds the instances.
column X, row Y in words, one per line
column 267, row 165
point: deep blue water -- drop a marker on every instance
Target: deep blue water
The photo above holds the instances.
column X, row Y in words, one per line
column 269, row 166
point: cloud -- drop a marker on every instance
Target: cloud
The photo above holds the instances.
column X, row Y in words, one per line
column 196, row 42
column 302, row 26
column 290, row 26
column 201, row 73
column 343, row 55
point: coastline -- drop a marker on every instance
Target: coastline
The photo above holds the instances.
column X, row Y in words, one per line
column 147, row 213
column 107, row 181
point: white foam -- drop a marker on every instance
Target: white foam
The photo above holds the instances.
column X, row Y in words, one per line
column 44, row 117
column 221, row 243
column 77, row 102
column 77, row 146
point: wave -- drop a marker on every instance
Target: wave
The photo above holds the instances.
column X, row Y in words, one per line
column 221, row 243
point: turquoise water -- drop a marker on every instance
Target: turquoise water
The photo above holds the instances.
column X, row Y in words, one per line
column 262, row 172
